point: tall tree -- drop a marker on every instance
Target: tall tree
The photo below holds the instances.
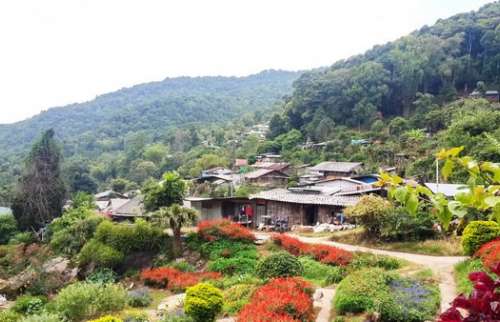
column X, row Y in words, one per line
column 169, row 191
column 41, row 191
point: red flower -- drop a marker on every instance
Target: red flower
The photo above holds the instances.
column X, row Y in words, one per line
column 489, row 254
column 175, row 280
column 211, row 230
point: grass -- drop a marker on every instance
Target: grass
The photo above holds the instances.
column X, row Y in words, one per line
column 437, row 247
column 462, row 270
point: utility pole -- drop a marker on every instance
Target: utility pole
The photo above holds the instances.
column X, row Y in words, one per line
column 437, row 176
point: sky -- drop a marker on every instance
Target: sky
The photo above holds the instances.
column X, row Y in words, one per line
column 56, row 52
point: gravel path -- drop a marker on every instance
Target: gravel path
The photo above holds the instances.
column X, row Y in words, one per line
column 325, row 303
column 441, row 266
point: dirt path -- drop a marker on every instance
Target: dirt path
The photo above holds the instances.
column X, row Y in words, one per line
column 325, row 303
column 442, row 266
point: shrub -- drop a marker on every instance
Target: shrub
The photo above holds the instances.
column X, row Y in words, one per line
column 321, row 274
column 481, row 305
column 478, row 233
column 394, row 297
column 139, row 297
column 203, row 302
column 100, row 254
column 42, row 317
column 23, row 238
column 233, row 265
column 107, row 318
column 282, row 299
column 489, row 253
column 9, row 316
column 136, row 317
column 462, row 271
column 236, row 297
column 85, row 300
column 8, row 227
column 173, row 279
column 370, row 212
column 28, row 305
column 324, row 253
column 182, row 266
column 127, row 238
column 102, row 276
column 279, row 265
column 211, row 230
column 361, row 260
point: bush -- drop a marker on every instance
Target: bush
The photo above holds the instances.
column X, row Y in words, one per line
column 107, row 318
column 234, row 265
column 362, row 260
column 127, row 238
column 321, row 274
column 462, row 271
column 211, row 230
column 85, row 300
column 279, row 265
column 9, row 316
column 42, row 317
column 370, row 212
column 489, row 254
column 102, row 276
column 139, row 297
column 394, row 297
column 203, row 302
column 325, row 254
column 8, row 227
column 99, row 254
column 23, row 238
column 28, row 305
column 236, row 297
column 136, row 317
column 282, row 299
column 478, row 233
column 173, row 279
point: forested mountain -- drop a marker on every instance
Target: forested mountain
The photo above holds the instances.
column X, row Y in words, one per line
column 101, row 124
column 445, row 60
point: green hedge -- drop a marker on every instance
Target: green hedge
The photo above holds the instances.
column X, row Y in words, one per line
column 101, row 255
column 478, row 233
column 281, row 264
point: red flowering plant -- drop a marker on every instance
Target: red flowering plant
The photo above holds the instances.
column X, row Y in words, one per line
column 211, row 230
column 175, row 280
column 482, row 305
column 282, row 299
column 489, row 253
column 324, row 253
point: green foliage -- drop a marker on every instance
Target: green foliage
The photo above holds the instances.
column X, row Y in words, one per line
column 478, row 233
column 41, row 191
column 102, row 276
column 169, row 191
column 9, row 316
column 364, row 260
column 182, row 266
column 462, row 271
column 236, row 297
column 8, row 227
column 127, row 238
column 81, row 300
column 203, row 302
column 100, row 255
column 29, row 305
column 139, row 298
column 107, row 318
column 281, row 264
column 233, row 265
column 42, row 317
column 370, row 212
column 321, row 274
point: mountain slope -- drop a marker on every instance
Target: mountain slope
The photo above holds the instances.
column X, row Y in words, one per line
column 445, row 60
column 152, row 108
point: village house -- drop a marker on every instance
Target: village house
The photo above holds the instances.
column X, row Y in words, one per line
column 267, row 178
column 333, row 169
column 234, row 208
column 119, row 206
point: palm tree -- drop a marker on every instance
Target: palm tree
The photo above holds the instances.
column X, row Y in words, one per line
column 175, row 217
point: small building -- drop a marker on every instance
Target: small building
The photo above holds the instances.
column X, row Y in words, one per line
column 278, row 166
column 269, row 157
column 448, row 189
column 301, row 206
column 234, row 208
column 108, row 195
column 131, row 209
column 240, row 163
column 268, row 178
column 333, row 169
column 492, row 96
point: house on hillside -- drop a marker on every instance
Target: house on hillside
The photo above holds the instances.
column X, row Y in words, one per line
column 268, row 178
column 278, row 166
column 333, row 169
column 131, row 209
column 269, row 157
column 233, row 208
column 305, row 206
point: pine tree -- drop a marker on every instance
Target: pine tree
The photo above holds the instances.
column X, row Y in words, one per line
column 40, row 193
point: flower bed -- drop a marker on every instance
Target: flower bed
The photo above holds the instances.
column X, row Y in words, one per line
column 282, row 299
column 489, row 254
column 323, row 253
column 175, row 280
column 211, row 230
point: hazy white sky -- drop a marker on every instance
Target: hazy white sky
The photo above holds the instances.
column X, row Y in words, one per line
column 55, row 52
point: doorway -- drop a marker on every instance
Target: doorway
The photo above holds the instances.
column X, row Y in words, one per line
column 311, row 215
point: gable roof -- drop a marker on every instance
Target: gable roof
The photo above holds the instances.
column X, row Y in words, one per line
column 264, row 172
column 132, row 208
column 285, row 195
column 271, row 165
column 333, row 166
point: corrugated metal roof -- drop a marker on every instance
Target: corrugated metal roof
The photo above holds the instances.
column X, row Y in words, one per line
column 333, row 166
column 284, row 195
column 262, row 172
column 449, row 190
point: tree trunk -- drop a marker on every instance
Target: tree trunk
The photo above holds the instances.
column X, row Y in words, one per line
column 177, row 245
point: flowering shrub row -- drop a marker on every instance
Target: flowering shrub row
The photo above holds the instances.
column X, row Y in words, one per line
column 211, row 230
column 489, row 254
column 323, row 253
column 175, row 280
column 282, row 299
